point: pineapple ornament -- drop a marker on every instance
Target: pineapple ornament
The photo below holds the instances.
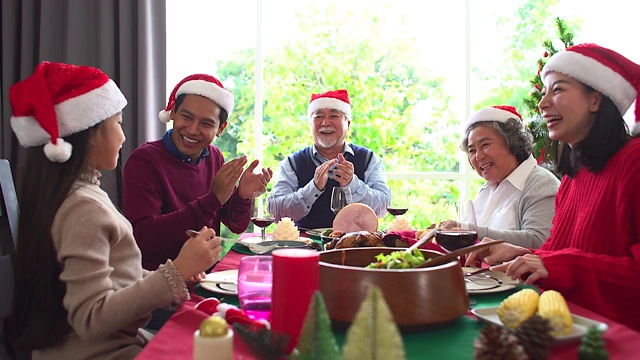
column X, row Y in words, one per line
column 497, row 343
column 592, row 346
column 535, row 337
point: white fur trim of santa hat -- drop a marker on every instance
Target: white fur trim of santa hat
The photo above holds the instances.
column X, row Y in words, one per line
column 203, row 85
column 58, row 100
column 74, row 115
column 336, row 99
column 500, row 113
column 603, row 69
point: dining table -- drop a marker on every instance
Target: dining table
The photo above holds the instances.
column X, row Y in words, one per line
column 454, row 341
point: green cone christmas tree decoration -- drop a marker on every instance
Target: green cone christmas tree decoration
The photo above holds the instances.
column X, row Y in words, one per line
column 317, row 341
column 592, row 346
column 373, row 334
column 536, row 124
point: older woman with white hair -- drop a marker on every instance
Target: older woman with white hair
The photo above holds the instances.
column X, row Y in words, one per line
column 517, row 201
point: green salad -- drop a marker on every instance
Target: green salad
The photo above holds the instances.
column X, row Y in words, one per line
column 398, row 260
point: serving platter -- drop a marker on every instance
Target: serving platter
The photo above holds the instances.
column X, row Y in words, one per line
column 581, row 324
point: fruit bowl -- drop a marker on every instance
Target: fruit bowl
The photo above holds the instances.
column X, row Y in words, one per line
column 419, row 299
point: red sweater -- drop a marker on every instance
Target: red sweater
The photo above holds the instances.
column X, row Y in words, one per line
column 164, row 196
column 593, row 253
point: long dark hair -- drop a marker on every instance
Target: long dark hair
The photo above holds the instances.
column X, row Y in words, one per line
column 40, row 319
column 608, row 134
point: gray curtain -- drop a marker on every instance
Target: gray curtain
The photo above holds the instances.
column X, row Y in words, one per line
column 124, row 38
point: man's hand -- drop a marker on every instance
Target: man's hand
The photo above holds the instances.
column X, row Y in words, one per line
column 227, row 177
column 251, row 183
column 321, row 175
column 343, row 173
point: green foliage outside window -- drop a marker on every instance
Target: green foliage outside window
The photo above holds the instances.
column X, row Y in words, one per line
column 401, row 110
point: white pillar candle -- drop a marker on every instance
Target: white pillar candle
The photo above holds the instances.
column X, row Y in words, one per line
column 213, row 348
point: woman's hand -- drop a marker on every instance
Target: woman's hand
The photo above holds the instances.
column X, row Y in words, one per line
column 495, row 254
column 198, row 254
column 526, row 264
column 199, row 277
column 448, row 225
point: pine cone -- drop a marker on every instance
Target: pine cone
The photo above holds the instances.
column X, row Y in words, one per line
column 497, row 343
column 535, row 337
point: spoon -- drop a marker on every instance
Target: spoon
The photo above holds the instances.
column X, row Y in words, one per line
column 454, row 254
column 254, row 248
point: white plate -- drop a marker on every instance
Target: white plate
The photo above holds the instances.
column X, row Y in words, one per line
column 258, row 240
column 488, row 282
column 580, row 324
column 227, row 289
column 253, row 240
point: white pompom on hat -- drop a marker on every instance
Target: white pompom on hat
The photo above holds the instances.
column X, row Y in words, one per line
column 203, row 85
column 335, row 99
column 59, row 100
column 500, row 113
column 604, row 70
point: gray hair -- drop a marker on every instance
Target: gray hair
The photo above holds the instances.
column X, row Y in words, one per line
column 517, row 137
column 347, row 117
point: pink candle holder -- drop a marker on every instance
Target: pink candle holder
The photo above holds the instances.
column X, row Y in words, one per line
column 296, row 277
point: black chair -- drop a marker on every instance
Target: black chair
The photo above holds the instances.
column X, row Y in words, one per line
column 8, row 239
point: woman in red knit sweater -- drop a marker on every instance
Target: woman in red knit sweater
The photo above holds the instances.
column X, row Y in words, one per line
column 593, row 253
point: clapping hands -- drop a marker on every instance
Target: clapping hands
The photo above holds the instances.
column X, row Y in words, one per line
column 227, row 177
column 251, row 183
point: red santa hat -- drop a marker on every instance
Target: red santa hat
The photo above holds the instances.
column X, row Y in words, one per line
column 605, row 70
column 500, row 113
column 58, row 100
column 203, row 85
column 336, row 99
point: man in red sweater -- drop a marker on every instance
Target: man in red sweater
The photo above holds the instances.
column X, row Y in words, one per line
column 181, row 181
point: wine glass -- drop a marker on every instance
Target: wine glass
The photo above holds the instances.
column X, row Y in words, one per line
column 399, row 204
column 260, row 216
column 340, row 197
column 466, row 235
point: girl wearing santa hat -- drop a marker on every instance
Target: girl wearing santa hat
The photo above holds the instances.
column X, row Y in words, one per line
column 80, row 290
column 592, row 256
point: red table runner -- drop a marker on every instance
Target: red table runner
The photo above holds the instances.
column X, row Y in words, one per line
column 175, row 339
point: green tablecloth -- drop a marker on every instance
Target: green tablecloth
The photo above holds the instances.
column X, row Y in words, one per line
column 454, row 341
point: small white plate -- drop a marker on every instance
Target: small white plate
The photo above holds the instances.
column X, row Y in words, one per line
column 222, row 276
column 254, row 240
column 488, row 282
column 580, row 324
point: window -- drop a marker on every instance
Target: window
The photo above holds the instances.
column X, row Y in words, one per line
column 413, row 74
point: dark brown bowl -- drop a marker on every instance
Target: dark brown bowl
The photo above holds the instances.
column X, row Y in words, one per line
column 419, row 299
